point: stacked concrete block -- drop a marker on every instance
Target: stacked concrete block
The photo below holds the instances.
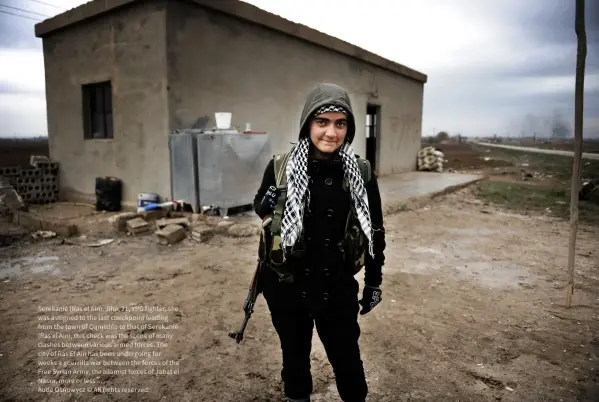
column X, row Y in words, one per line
column 36, row 184
column 11, row 173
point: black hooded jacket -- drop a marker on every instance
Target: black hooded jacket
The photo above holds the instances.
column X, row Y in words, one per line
column 325, row 218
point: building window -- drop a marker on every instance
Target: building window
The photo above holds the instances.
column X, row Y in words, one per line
column 97, row 110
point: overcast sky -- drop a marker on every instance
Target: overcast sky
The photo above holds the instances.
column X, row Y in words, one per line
column 493, row 66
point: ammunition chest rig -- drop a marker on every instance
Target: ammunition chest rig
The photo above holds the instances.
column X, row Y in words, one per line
column 354, row 244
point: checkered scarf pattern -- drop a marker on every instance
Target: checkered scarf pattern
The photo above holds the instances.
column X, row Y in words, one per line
column 353, row 176
column 329, row 108
column 298, row 195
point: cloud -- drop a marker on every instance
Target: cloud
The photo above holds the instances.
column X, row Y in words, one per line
column 493, row 67
column 489, row 63
column 22, row 80
column 22, row 96
column 547, row 85
column 22, row 70
column 528, row 67
column 22, row 115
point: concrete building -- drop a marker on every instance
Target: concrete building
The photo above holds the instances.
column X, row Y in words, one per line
column 121, row 74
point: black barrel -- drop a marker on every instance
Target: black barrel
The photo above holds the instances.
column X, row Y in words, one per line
column 109, row 193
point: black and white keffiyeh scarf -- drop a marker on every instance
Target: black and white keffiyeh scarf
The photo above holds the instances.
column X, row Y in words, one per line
column 298, row 195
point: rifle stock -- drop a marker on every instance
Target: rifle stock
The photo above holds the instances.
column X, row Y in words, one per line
column 255, row 288
column 248, row 305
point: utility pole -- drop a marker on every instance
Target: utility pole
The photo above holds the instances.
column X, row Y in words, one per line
column 581, row 55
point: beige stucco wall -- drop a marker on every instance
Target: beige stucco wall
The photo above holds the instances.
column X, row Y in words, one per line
column 218, row 63
column 121, row 48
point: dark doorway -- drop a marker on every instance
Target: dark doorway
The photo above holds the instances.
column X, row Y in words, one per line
column 373, row 129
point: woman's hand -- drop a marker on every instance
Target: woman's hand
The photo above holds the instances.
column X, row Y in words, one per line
column 371, row 296
column 267, row 205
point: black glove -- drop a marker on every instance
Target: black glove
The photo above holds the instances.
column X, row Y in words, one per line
column 371, row 296
column 267, row 205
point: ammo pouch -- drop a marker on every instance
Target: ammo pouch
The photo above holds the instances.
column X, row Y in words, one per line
column 284, row 269
column 355, row 245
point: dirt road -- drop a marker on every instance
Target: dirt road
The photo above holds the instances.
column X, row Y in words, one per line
column 472, row 311
column 585, row 155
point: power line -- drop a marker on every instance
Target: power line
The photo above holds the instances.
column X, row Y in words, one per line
column 46, row 4
column 27, row 11
column 18, row 15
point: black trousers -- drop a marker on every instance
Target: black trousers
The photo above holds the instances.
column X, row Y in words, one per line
column 294, row 315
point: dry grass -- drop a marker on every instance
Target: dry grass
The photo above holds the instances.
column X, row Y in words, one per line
column 557, row 166
column 545, row 190
column 536, row 199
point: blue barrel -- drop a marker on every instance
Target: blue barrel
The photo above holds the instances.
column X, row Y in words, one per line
column 144, row 199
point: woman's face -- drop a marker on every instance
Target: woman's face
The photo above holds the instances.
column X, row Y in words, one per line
column 328, row 131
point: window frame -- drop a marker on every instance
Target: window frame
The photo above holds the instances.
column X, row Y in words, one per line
column 97, row 110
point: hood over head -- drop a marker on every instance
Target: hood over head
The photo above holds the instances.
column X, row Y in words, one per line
column 327, row 94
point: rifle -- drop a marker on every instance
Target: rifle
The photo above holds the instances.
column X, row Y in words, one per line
column 255, row 288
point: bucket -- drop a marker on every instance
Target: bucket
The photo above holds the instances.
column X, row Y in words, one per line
column 144, row 199
column 223, row 120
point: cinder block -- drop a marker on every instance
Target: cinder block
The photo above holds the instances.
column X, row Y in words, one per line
column 154, row 214
column 195, row 218
column 243, row 230
column 222, row 227
column 36, row 184
column 202, row 233
column 35, row 160
column 31, row 172
column 171, row 234
column 48, row 180
column 10, row 171
column 162, row 223
column 137, row 226
column 119, row 221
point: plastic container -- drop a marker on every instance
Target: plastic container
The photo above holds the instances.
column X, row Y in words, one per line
column 109, row 194
column 144, row 199
column 223, row 120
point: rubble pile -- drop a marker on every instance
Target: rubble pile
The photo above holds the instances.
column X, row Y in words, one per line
column 9, row 199
column 430, row 159
column 172, row 227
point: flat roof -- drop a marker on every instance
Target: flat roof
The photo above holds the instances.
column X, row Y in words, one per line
column 240, row 10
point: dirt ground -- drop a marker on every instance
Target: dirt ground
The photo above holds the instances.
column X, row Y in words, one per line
column 464, row 157
column 472, row 310
column 514, row 166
